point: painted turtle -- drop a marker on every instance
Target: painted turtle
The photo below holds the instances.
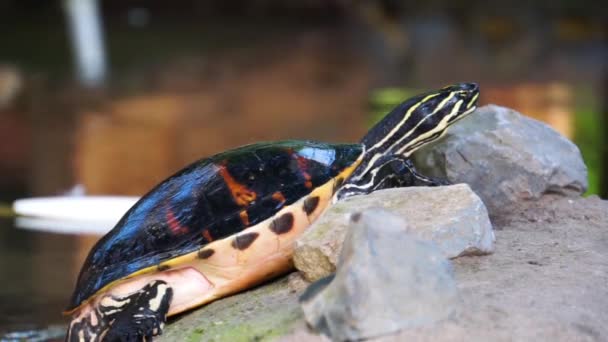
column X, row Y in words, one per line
column 229, row 221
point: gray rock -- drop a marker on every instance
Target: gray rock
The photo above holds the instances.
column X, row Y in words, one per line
column 386, row 281
column 506, row 158
column 451, row 216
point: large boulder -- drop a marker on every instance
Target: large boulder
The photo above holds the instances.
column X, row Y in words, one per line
column 506, row 158
column 451, row 216
column 386, row 281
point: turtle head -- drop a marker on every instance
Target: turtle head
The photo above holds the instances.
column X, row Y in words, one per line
column 468, row 93
column 421, row 119
column 411, row 125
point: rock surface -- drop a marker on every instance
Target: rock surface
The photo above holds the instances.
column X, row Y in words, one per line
column 546, row 280
column 386, row 281
column 506, row 158
column 264, row 313
column 451, row 216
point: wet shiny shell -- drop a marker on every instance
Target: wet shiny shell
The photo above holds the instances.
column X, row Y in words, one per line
column 211, row 199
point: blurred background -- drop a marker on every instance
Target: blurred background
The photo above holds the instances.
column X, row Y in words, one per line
column 112, row 96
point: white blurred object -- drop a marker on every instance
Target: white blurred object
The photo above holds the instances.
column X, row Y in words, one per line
column 76, row 190
column 87, row 40
column 63, row 226
column 76, row 208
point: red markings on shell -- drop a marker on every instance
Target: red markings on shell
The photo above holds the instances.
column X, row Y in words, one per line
column 278, row 196
column 241, row 194
column 303, row 167
column 244, row 218
column 207, row 235
column 174, row 225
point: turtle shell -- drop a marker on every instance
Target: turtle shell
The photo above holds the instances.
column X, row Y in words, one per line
column 205, row 202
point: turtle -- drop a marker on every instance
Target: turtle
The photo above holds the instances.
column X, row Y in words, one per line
column 228, row 222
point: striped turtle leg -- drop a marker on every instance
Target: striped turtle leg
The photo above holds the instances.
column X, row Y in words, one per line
column 391, row 171
column 407, row 175
column 137, row 317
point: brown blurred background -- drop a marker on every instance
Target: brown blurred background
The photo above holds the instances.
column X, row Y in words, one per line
column 186, row 79
column 115, row 95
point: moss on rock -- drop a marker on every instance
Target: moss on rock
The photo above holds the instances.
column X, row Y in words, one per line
column 261, row 314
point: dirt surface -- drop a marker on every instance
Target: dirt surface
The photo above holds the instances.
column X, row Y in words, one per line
column 546, row 281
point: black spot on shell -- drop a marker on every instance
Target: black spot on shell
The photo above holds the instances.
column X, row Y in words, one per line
column 205, row 253
column 282, row 224
column 243, row 241
column 355, row 217
column 163, row 267
column 310, row 204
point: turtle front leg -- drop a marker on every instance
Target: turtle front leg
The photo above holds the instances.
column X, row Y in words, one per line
column 390, row 171
column 407, row 175
column 136, row 317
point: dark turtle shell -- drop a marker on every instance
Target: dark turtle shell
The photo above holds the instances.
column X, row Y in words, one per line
column 205, row 202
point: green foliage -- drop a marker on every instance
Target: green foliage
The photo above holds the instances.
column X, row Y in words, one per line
column 6, row 210
column 587, row 135
column 383, row 100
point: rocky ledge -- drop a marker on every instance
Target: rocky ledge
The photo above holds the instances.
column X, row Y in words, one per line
column 429, row 264
column 453, row 217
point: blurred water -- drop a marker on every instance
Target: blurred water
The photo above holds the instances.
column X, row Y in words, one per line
column 38, row 270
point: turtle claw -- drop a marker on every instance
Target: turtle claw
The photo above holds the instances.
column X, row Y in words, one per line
column 409, row 176
column 439, row 182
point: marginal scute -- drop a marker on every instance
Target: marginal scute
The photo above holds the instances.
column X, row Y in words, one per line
column 282, row 224
column 338, row 183
column 310, row 204
column 205, row 253
column 243, row 241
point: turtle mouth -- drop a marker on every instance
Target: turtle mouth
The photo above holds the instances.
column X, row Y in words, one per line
column 463, row 114
column 465, row 97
